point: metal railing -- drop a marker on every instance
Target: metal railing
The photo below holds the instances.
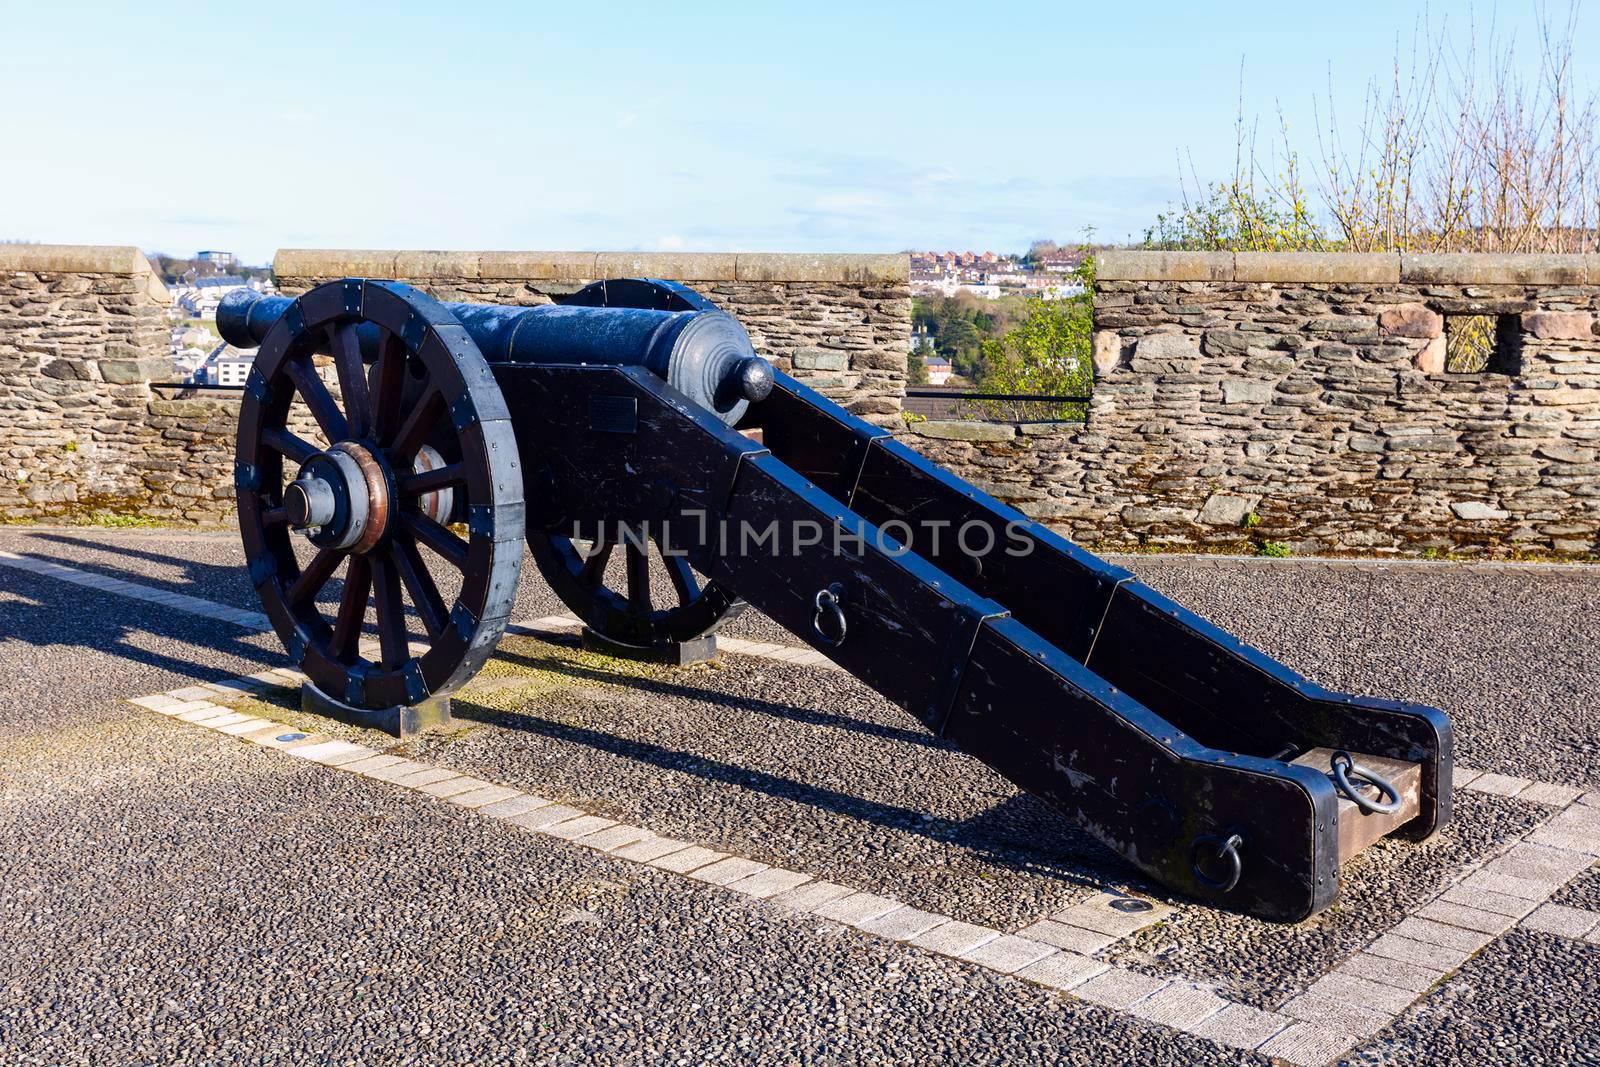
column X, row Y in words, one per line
column 962, row 394
column 925, row 402
column 201, row 387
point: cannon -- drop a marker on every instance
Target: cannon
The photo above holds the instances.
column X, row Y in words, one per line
column 635, row 416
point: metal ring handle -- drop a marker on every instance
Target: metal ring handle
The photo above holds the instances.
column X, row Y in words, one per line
column 1344, row 768
column 827, row 601
column 1226, row 849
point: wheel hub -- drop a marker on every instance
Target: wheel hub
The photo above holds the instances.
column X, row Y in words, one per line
column 340, row 499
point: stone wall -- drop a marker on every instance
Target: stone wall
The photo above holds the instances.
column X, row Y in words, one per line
column 82, row 335
column 1239, row 399
column 86, row 426
column 1303, row 398
column 840, row 323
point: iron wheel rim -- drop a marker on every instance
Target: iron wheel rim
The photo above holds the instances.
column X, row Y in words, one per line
column 421, row 350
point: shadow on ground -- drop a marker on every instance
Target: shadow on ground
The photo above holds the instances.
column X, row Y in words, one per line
column 1009, row 834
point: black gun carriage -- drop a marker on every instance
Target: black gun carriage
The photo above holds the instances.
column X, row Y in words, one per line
column 635, row 417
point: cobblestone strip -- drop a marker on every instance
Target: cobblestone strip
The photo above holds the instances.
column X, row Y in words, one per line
column 1056, row 952
column 1365, row 993
column 255, row 620
column 1576, row 924
column 1351, row 1003
column 191, row 605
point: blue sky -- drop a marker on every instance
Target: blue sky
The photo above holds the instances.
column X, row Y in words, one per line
column 743, row 126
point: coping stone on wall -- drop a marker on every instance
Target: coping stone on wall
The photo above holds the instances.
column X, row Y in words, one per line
column 74, row 259
column 675, row 266
column 539, row 266
column 1130, row 266
column 334, row 263
column 590, row 266
column 841, row 267
column 1468, row 268
column 428, row 264
column 1377, row 268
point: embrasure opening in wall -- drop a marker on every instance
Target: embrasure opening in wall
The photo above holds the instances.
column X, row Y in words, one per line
column 1482, row 344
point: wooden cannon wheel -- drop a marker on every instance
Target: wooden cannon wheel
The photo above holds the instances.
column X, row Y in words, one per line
column 577, row 571
column 419, row 439
column 689, row 609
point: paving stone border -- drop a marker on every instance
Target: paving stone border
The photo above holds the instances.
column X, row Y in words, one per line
column 255, row 620
column 1573, row 923
column 189, row 605
column 1353, row 1002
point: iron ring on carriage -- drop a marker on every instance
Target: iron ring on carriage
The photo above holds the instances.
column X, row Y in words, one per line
column 1344, row 769
column 1226, row 850
column 827, row 604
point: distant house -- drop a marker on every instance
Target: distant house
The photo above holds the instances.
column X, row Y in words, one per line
column 939, row 369
column 226, row 366
column 201, row 297
column 1061, row 262
column 188, row 364
column 231, row 372
column 219, row 260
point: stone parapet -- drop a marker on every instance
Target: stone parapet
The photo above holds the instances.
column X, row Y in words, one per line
column 85, row 424
column 593, row 266
column 74, row 259
column 1335, row 268
column 840, row 323
column 1314, row 400
column 83, row 333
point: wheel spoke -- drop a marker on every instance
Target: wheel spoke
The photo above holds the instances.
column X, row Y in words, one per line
column 352, row 608
column 436, row 537
column 429, row 481
column 684, row 583
column 594, row 564
column 274, row 517
column 413, row 434
column 318, row 399
column 391, row 614
column 419, row 583
column 313, row 578
column 638, row 580
column 389, row 388
column 289, row 445
column 352, row 377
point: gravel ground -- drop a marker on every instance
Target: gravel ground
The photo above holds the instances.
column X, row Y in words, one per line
column 833, row 782
column 1526, row 999
column 172, row 896
column 69, row 654
column 1502, row 649
column 1261, row 964
column 829, row 780
column 1508, row 652
column 270, row 910
column 211, row 564
column 1582, row 892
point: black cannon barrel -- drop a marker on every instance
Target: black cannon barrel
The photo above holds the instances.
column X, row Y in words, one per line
column 705, row 354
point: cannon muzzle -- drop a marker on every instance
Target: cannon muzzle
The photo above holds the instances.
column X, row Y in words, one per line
column 701, row 351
